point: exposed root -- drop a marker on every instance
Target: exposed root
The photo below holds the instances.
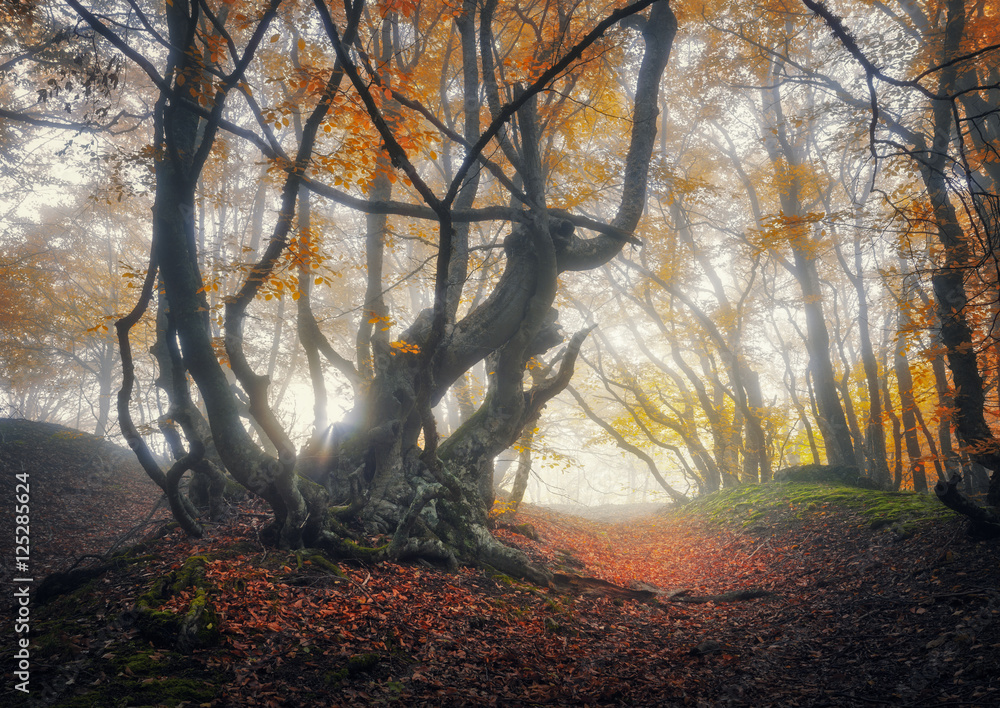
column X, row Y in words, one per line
column 507, row 560
column 570, row 583
column 985, row 522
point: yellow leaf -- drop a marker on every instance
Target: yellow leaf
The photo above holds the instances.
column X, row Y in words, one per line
column 302, row 44
column 274, row 38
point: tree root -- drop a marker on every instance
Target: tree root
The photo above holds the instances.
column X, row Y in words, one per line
column 734, row 596
column 511, row 561
column 642, row 592
column 984, row 522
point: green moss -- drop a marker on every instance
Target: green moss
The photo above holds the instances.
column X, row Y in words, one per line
column 197, row 627
column 233, row 491
column 131, row 673
column 135, row 675
column 315, row 559
column 350, row 549
column 135, row 691
column 843, row 475
column 501, row 578
column 757, row 506
column 200, row 626
column 362, row 662
column 526, row 530
column 142, row 662
column 191, row 574
column 160, row 628
column 54, row 621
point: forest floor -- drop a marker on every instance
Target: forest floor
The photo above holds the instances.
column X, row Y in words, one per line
column 857, row 598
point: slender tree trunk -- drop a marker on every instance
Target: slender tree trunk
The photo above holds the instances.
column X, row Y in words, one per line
column 875, row 449
column 105, row 372
column 523, row 470
column 945, row 396
column 835, row 431
column 908, row 406
column 786, row 162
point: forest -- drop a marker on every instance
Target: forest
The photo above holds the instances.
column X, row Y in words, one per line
column 393, row 284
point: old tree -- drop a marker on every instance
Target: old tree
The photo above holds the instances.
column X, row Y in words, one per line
column 464, row 110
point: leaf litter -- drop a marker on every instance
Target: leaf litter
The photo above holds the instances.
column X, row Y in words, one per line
column 848, row 615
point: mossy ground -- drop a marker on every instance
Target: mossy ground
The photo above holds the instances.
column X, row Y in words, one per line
column 761, row 508
column 106, row 659
column 141, row 676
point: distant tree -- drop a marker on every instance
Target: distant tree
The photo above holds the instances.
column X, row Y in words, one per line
column 63, row 290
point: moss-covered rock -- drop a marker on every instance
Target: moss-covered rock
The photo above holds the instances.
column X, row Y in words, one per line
column 526, row 530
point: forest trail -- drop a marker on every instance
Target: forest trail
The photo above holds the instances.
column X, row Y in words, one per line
column 871, row 600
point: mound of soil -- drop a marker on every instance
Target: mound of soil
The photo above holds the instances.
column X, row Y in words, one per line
column 86, row 494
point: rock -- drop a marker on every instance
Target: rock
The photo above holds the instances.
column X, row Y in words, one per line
column 709, row 646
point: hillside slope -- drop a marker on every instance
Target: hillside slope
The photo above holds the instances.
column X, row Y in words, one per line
column 85, row 492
